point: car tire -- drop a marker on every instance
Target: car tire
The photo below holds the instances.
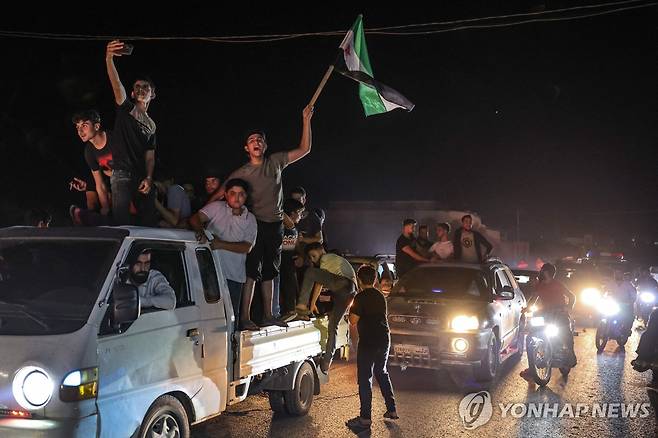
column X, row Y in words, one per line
column 490, row 363
column 299, row 399
column 165, row 414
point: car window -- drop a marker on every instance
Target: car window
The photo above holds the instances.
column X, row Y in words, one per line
column 501, row 280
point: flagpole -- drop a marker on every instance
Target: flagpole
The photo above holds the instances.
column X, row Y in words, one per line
column 322, row 84
column 325, row 78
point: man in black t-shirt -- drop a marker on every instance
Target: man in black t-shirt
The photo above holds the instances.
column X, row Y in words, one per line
column 369, row 314
column 406, row 257
column 98, row 153
column 134, row 146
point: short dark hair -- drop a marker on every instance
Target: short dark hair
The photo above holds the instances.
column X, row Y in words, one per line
column 367, row 274
column 237, row 182
column 132, row 259
column 212, row 173
column 90, row 115
column 298, row 190
column 313, row 246
column 466, row 216
column 550, row 268
column 145, row 78
column 290, row 205
column 444, row 225
column 251, row 132
column 408, row 221
column 36, row 215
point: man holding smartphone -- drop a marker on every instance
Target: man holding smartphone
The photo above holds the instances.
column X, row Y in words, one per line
column 134, row 148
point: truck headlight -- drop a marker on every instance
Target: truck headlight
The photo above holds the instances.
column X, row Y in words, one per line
column 32, row 387
column 79, row 385
column 647, row 297
column 590, row 296
column 464, row 323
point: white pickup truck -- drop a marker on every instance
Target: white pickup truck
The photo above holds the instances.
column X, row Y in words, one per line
column 80, row 357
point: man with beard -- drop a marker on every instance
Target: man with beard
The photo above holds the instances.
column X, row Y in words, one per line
column 153, row 286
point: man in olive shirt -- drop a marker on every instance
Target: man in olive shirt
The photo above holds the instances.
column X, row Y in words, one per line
column 369, row 314
column 264, row 176
column 336, row 274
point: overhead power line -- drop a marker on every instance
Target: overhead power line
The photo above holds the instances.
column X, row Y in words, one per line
column 499, row 21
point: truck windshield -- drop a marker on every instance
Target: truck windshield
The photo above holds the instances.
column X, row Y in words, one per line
column 442, row 282
column 49, row 286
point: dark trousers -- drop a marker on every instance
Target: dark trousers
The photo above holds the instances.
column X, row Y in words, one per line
column 124, row 191
column 288, row 287
column 264, row 259
column 371, row 361
column 235, row 291
column 647, row 349
column 342, row 292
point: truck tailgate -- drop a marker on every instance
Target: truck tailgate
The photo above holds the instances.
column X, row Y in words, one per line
column 275, row 347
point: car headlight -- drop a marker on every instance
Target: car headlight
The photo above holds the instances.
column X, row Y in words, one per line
column 463, row 323
column 533, row 308
column 32, row 387
column 551, row 330
column 647, row 297
column 608, row 307
column 537, row 321
column 590, row 296
column 79, row 385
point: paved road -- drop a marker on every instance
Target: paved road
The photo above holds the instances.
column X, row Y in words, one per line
column 428, row 403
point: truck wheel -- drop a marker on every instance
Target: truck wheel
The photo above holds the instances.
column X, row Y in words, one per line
column 299, row 399
column 277, row 403
column 486, row 372
column 167, row 418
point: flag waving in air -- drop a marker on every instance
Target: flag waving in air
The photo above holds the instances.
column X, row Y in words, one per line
column 376, row 97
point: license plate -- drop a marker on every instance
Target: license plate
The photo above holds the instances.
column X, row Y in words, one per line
column 413, row 350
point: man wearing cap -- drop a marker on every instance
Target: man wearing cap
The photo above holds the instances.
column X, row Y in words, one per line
column 406, row 257
column 264, row 176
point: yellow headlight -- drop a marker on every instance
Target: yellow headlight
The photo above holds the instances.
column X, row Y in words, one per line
column 463, row 323
column 590, row 296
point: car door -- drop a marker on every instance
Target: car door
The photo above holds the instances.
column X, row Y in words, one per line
column 519, row 301
column 154, row 355
column 504, row 308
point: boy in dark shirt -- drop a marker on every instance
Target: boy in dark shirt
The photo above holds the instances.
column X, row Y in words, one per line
column 369, row 314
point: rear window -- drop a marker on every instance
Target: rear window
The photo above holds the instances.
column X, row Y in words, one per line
column 443, row 282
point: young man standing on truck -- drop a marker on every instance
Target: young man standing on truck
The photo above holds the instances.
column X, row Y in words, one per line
column 264, row 176
column 234, row 229
column 133, row 151
column 406, row 257
column 369, row 314
column 336, row 274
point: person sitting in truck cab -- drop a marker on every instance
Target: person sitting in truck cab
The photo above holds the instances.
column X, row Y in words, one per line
column 153, row 286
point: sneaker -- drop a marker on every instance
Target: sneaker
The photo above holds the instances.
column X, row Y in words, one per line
column 248, row 325
column 357, row 424
column 290, row 316
column 525, row 374
column 303, row 315
column 391, row 415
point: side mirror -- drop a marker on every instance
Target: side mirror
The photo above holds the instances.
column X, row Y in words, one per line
column 124, row 306
column 506, row 293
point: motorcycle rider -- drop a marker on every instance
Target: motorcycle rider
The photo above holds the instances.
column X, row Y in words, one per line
column 553, row 296
column 645, row 283
column 623, row 291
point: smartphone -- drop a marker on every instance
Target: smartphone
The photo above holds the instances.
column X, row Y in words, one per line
column 127, row 49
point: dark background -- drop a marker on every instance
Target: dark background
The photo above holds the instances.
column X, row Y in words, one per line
column 557, row 120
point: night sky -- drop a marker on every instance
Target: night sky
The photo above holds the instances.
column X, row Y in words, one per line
column 555, row 119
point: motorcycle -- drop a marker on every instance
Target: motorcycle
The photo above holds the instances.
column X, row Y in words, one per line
column 548, row 345
column 613, row 325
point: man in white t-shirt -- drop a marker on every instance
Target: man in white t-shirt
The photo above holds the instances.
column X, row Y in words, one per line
column 234, row 230
column 443, row 249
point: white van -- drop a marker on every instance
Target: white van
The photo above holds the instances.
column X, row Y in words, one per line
column 78, row 358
